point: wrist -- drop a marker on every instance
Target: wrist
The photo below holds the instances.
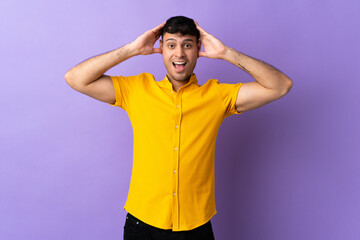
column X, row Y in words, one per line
column 226, row 54
column 131, row 50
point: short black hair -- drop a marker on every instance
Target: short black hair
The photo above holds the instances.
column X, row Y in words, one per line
column 182, row 25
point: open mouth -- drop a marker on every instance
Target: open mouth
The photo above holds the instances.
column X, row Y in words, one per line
column 179, row 66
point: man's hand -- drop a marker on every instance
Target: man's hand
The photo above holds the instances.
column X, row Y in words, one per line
column 213, row 47
column 144, row 44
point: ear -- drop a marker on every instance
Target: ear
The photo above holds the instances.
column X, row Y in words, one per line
column 161, row 43
column 199, row 48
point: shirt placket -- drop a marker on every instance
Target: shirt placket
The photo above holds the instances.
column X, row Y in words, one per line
column 176, row 155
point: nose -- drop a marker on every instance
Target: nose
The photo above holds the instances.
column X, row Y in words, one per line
column 179, row 52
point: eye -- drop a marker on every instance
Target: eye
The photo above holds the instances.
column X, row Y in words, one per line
column 188, row 45
column 171, row 45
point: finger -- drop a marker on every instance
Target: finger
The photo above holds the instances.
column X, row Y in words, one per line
column 157, row 50
column 196, row 23
column 202, row 31
column 156, row 30
column 202, row 54
column 159, row 26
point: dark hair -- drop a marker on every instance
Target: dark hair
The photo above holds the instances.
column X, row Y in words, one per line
column 182, row 25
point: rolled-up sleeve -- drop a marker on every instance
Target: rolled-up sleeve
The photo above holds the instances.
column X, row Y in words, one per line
column 228, row 93
column 123, row 87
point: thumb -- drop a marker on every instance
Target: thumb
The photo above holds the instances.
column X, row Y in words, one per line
column 157, row 50
column 202, row 54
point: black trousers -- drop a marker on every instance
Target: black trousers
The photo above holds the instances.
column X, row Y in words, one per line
column 135, row 229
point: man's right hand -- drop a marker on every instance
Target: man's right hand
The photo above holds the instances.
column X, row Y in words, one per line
column 88, row 77
column 144, row 44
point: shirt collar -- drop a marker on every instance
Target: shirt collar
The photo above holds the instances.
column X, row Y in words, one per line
column 167, row 84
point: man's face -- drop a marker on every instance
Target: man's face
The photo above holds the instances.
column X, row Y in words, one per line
column 180, row 54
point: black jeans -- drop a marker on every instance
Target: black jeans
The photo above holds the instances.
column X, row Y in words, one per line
column 135, row 229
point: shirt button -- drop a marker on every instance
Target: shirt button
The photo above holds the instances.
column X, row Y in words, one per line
column 174, row 194
column 175, row 149
column 174, row 171
column 177, row 106
column 177, row 126
column 172, row 92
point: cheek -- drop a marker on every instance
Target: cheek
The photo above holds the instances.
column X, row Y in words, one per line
column 167, row 61
column 165, row 55
column 194, row 56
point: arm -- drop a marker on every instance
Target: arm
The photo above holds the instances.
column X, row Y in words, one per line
column 88, row 77
column 270, row 84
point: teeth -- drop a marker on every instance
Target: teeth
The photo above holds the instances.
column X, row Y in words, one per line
column 180, row 63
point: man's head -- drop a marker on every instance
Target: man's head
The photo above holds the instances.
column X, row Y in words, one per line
column 182, row 25
column 180, row 47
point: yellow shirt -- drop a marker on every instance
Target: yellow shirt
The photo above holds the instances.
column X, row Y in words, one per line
column 173, row 178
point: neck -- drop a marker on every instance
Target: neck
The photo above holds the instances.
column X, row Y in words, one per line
column 178, row 84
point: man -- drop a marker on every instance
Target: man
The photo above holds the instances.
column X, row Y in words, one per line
column 175, row 123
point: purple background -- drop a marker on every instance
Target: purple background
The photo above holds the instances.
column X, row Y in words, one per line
column 288, row 170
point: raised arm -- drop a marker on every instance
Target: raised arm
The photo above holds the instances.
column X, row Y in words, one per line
column 88, row 76
column 270, row 84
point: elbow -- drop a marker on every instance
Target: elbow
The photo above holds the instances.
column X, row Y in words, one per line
column 71, row 80
column 68, row 78
column 287, row 85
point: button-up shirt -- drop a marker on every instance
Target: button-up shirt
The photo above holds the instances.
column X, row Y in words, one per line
column 173, row 177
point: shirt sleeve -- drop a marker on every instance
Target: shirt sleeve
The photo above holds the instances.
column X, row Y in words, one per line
column 228, row 94
column 124, row 87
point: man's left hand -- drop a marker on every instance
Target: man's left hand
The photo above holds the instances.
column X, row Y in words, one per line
column 213, row 47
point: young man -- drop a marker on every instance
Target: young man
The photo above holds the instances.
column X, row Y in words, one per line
column 175, row 123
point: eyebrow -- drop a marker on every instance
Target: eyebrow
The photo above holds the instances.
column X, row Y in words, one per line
column 173, row 39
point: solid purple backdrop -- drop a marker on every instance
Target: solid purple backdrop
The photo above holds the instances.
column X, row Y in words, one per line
column 289, row 170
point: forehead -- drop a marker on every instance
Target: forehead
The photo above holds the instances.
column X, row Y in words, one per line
column 177, row 37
